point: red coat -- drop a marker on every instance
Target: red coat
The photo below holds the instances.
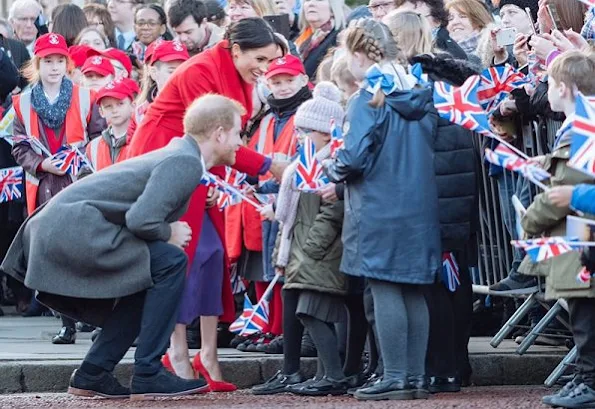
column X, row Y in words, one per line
column 211, row 71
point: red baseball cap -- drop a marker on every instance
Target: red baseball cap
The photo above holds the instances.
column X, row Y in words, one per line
column 99, row 65
column 121, row 56
column 130, row 84
column 115, row 90
column 50, row 43
column 288, row 64
column 170, row 51
column 80, row 53
column 151, row 49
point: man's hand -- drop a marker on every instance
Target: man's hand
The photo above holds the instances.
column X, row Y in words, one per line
column 328, row 193
column 561, row 195
column 180, row 234
column 212, row 196
column 48, row 167
column 277, row 168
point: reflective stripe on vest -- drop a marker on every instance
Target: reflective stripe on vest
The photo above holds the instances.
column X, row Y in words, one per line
column 93, row 149
column 262, row 136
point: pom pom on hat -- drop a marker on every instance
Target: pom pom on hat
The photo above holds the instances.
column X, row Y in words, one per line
column 316, row 113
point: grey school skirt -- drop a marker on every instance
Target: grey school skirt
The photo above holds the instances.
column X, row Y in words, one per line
column 323, row 306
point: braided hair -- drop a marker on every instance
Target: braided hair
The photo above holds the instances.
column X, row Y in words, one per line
column 376, row 42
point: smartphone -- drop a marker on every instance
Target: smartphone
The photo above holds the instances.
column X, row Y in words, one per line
column 528, row 11
column 506, row 37
column 553, row 12
column 280, row 24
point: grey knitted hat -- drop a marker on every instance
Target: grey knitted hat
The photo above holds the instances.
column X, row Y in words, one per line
column 316, row 113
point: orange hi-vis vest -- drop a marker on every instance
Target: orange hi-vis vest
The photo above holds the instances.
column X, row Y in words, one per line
column 243, row 222
column 77, row 118
column 100, row 155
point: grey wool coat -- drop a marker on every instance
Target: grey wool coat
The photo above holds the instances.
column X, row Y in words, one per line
column 88, row 245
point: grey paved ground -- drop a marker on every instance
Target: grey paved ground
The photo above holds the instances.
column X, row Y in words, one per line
column 470, row 398
column 30, row 363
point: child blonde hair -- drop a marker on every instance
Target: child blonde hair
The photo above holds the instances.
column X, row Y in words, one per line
column 374, row 40
column 412, row 32
column 340, row 72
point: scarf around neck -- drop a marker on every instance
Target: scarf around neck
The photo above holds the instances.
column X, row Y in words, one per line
column 291, row 103
column 315, row 39
column 52, row 115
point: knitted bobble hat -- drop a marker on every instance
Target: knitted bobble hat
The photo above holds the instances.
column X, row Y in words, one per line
column 522, row 4
column 316, row 113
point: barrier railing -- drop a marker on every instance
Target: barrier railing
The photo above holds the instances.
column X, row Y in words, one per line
column 496, row 255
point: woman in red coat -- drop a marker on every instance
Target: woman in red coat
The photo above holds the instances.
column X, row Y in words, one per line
column 230, row 68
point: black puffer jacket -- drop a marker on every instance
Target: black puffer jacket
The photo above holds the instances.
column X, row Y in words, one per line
column 455, row 160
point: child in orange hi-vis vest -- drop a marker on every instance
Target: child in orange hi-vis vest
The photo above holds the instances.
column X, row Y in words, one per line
column 250, row 236
column 116, row 107
column 53, row 113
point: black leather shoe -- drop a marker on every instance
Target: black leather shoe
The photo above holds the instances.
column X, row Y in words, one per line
column 372, row 379
column 562, row 393
column 296, row 387
column 392, row 389
column 440, row 385
column 324, row 387
column 104, row 385
column 164, row 384
column 277, row 384
column 581, row 397
column 419, row 386
column 66, row 335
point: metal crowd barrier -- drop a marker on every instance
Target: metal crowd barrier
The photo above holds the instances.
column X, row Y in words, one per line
column 494, row 249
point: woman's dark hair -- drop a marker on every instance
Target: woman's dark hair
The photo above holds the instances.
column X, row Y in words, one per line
column 437, row 10
column 215, row 13
column 68, row 20
column 254, row 32
column 97, row 10
column 162, row 17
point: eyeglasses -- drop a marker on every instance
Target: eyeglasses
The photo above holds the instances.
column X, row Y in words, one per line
column 376, row 7
column 150, row 23
column 26, row 19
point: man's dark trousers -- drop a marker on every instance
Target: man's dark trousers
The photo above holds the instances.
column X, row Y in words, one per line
column 152, row 312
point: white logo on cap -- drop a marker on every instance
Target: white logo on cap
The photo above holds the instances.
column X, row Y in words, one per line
column 178, row 46
column 54, row 39
column 281, row 61
column 110, row 85
column 96, row 60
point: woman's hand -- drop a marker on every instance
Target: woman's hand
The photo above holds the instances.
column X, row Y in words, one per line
column 569, row 40
column 500, row 53
column 212, row 196
column 542, row 46
column 48, row 167
column 521, row 49
column 544, row 20
column 560, row 195
column 267, row 212
column 328, row 193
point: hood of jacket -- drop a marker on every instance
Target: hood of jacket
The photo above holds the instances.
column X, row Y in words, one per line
column 442, row 67
column 412, row 104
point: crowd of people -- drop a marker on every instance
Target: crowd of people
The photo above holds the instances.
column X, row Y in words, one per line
column 356, row 262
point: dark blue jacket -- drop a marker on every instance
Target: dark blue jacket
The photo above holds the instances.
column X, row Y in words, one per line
column 391, row 230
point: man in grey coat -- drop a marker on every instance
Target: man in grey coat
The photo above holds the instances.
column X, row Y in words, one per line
column 108, row 250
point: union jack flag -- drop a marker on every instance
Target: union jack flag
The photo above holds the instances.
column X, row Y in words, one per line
column 233, row 177
column 258, row 321
column 588, row 2
column 508, row 159
column 584, row 276
column 239, row 324
column 336, row 137
column 582, row 149
column 450, row 271
column 496, row 83
column 460, row 105
column 11, row 184
column 208, row 179
column 69, row 159
column 227, row 197
column 265, row 199
column 546, row 247
column 309, row 173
